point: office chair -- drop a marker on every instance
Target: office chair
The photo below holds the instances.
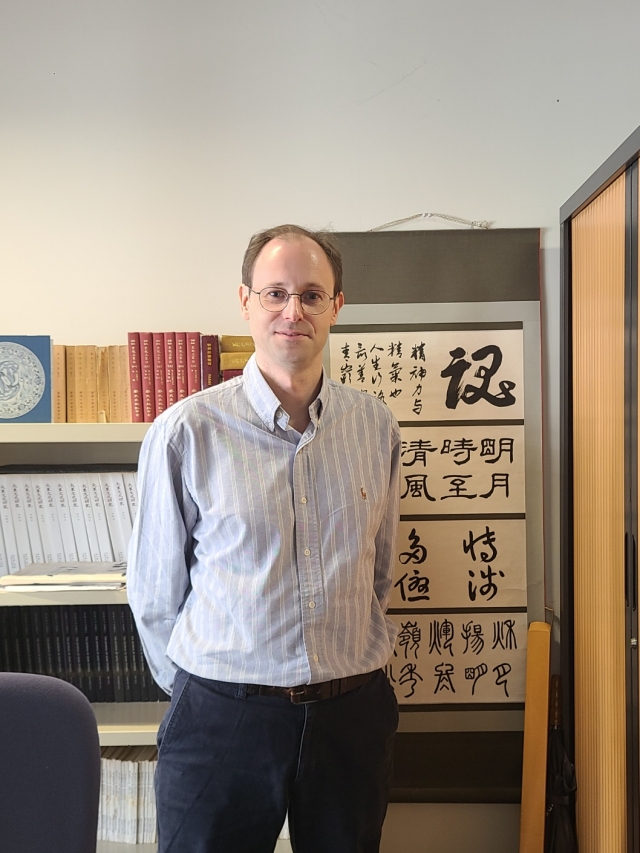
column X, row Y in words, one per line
column 49, row 766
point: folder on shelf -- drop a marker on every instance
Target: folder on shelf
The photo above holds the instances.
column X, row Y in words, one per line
column 67, row 573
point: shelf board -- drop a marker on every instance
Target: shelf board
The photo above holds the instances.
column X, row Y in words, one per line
column 130, row 723
column 8, row 598
column 72, row 433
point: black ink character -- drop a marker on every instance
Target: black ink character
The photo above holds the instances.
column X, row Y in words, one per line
column 457, row 486
column 473, row 638
column 417, row 352
column 461, row 448
column 488, row 448
column 502, row 671
column 504, row 635
column 487, row 538
column 458, row 366
column 417, row 487
column 473, row 673
column 498, row 481
column 441, row 637
column 417, row 554
column 409, row 675
column 489, row 589
column 410, row 633
column 418, row 584
column 444, row 673
column 419, row 448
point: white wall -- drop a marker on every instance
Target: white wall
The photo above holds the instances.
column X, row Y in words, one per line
column 143, row 141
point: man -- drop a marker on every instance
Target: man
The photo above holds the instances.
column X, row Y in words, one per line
column 259, row 573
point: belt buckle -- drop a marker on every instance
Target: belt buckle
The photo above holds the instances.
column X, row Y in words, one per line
column 295, row 697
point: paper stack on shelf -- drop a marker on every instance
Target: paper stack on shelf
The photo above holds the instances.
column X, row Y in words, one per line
column 45, row 577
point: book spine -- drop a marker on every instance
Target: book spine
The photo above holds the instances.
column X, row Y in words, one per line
column 97, row 662
column 82, row 406
column 125, row 385
column 71, row 663
column 70, row 353
column 58, row 643
column 31, row 513
column 103, row 622
column 6, row 664
column 20, row 528
column 146, row 680
column 136, row 686
column 131, row 489
column 230, row 374
column 237, row 343
column 193, row 362
column 89, row 521
column 100, row 518
column 47, row 640
column 234, row 360
column 18, row 663
column 170, row 384
column 4, row 562
column 37, row 641
column 116, row 652
column 64, row 517
column 26, row 640
column 122, row 505
column 135, row 378
column 210, row 369
column 81, row 618
column 126, row 656
column 146, row 371
column 112, row 514
column 77, row 518
column 48, row 544
column 102, row 382
column 159, row 374
column 181, row 365
column 59, row 384
column 6, row 519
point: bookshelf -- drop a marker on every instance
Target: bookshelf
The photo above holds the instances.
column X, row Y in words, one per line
column 119, row 723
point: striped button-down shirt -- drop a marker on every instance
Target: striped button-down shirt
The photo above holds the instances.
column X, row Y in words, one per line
column 260, row 555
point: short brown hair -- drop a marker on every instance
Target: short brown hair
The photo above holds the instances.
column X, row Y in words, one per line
column 293, row 232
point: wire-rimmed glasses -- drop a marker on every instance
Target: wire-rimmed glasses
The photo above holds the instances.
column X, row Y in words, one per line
column 276, row 298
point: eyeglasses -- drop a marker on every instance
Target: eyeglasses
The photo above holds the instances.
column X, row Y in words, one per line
column 276, row 298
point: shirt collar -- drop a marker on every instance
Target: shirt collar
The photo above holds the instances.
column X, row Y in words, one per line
column 265, row 403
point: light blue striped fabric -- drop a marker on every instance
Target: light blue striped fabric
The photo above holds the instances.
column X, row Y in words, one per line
column 259, row 555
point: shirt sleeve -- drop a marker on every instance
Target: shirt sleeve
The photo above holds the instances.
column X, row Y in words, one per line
column 160, row 549
column 388, row 531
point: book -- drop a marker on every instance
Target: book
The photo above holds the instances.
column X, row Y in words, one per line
column 146, row 372
column 181, row 365
column 70, row 358
column 89, row 522
column 237, row 343
column 47, row 519
column 14, row 491
column 31, row 513
column 159, row 375
column 25, row 379
column 131, row 488
column 67, row 572
column 4, row 566
column 6, row 520
column 210, row 361
column 59, row 382
column 193, row 363
column 135, row 377
column 103, row 396
column 114, row 521
column 125, row 386
column 230, row 374
column 76, row 512
column 170, row 381
column 234, row 360
column 59, row 487
column 99, row 516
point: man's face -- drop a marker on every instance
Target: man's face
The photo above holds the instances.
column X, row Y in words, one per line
column 290, row 339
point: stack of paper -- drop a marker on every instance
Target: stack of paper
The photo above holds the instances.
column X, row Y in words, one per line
column 47, row 577
column 127, row 801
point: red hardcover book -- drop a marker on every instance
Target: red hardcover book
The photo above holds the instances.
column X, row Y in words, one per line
column 229, row 374
column 181, row 365
column 135, row 378
column 146, row 371
column 159, row 374
column 193, row 362
column 171, row 387
column 210, row 366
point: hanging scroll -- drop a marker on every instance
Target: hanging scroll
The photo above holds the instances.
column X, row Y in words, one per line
column 460, row 589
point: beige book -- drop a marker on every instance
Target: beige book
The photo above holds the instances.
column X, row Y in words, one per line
column 125, row 385
column 59, row 384
column 91, row 383
column 102, row 370
column 81, row 403
column 72, row 409
column 236, row 343
column 115, row 414
column 234, row 360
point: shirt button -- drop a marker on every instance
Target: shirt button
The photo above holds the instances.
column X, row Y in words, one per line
column 303, row 500
column 312, row 604
column 307, row 552
column 315, row 657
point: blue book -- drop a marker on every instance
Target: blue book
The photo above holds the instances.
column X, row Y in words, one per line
column 25, row 379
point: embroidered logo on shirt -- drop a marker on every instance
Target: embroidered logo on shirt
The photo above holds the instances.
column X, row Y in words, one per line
column 363, row 493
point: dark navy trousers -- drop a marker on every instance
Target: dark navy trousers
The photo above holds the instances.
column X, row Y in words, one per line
column 231, row 765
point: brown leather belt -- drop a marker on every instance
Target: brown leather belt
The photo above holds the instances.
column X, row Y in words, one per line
column 311, row 692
